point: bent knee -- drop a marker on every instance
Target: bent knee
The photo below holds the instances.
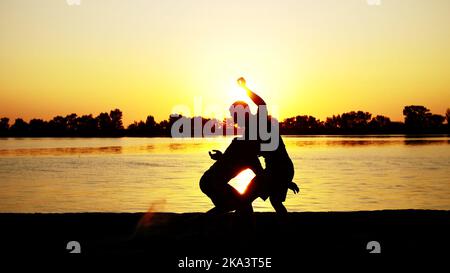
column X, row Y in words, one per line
column 206, row 184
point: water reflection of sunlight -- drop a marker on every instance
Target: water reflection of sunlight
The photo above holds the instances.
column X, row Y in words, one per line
column 62, row 151
column 95, row 174
column 240, row 182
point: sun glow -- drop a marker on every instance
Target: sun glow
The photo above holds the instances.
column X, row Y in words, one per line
column 317, row 58
column 241, row 181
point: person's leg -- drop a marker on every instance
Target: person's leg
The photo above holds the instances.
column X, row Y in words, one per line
column 224, row 197
column 278, row 206
column 215, row 211
column 244, row 213
column 229, row 198
column 207, row 184
column 245, row 209
column 250, row 195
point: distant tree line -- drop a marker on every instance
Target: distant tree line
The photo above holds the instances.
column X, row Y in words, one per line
column 417, row 119
column 105, row 124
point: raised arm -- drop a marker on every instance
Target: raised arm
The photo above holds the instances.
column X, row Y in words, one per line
column 254, row 97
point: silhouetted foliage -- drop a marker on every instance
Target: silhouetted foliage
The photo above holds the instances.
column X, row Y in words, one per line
column 116, row 120
column 19, row 128
column 379, row 122
column 447, row 116
column 38, row 127
column 355, row 120
column 87, row 125
column 72, row 126
column 415, row 117
column 147, row 128
column 104, row 123
column 57, row 126
column 418, row 119
column 4, row 126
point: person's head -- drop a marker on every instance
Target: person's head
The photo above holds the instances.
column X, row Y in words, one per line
column 240, row 112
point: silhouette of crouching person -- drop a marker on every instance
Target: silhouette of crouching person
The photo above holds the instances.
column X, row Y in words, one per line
column 240, row 155
column 224, row 197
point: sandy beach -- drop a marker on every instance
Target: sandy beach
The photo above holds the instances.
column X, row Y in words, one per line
column 167, row 238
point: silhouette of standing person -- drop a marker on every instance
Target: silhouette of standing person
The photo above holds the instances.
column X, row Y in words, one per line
column 276, row 179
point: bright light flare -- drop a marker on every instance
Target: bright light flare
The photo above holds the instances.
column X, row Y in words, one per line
column 241, row 181
column 236, row 93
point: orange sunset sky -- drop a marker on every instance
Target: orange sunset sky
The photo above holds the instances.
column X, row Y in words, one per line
column 319, row 57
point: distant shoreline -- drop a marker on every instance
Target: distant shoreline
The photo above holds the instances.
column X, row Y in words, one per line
column 418, row 120
column 443, row 134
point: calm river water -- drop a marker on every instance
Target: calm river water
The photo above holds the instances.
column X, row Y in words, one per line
column 335, row 173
